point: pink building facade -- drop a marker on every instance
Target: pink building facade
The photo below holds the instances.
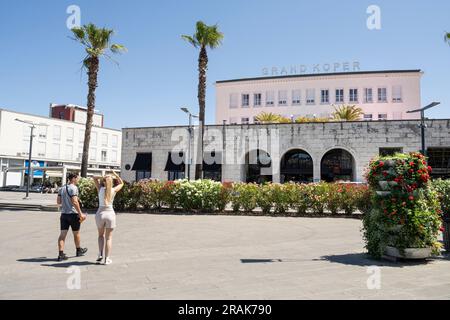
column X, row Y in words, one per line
column 382, row 95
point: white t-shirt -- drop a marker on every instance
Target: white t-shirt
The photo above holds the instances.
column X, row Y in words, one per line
column 101, row 197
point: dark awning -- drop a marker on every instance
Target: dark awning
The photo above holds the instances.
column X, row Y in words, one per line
column 143, row 162
column 173, row 162
column 217, row 165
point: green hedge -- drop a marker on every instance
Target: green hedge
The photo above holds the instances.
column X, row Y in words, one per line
column 210, row 196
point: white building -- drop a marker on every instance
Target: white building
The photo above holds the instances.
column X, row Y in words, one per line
column 383, row 95
column 56, row 143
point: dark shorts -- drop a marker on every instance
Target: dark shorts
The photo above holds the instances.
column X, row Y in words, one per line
column 70, row 220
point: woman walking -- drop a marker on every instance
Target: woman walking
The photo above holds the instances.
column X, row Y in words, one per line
column 105, row 217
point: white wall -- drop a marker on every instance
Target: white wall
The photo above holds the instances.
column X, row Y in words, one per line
column 409, row 82
column 14, row 139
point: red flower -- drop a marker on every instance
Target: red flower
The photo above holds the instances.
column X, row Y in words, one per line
column 381, row 164
column 411, row 164
column 411, row 170
column 442, row 229
column 430, row 169
column 411, row 198
column 404, row 204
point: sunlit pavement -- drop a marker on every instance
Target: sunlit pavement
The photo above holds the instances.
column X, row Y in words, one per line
column 208, row 257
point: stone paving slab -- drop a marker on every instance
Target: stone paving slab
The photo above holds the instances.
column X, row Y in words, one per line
column 208, row 257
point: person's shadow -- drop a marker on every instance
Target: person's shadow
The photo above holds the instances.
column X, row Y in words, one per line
column 45, row 262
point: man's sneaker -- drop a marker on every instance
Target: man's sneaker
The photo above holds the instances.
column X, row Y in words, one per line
column 108, row 261
column 81, row 252
column 62, row 257
column 99, row 259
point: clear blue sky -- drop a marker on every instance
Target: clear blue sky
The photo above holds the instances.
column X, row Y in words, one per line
column 39, row 64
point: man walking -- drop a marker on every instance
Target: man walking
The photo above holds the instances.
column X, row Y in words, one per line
column 71, row 216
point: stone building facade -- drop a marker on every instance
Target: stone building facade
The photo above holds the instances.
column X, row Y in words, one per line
column 305, row 152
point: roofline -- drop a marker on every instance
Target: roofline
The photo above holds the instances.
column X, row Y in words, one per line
column 288, row 123
column 321, row 75
column 55, row 119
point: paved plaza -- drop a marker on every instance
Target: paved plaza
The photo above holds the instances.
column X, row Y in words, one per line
column 207, row 257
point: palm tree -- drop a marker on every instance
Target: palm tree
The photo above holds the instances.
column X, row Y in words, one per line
column 204, row 37
column 347, row 113
column 96, row 42
column 268, row 117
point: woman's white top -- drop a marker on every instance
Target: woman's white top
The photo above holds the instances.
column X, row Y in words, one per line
column 101, row 198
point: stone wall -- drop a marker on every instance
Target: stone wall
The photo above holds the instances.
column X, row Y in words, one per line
column 361, row 139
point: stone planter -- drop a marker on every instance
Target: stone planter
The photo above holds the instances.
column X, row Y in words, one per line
column 410, row 253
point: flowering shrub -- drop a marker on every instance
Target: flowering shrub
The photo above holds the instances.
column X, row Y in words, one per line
column 442, row 187
column 211, row 196
column 245, row 196
column 405, row 210
column 299, row 198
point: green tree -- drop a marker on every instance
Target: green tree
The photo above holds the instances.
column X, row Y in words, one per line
column 204, row 37
column 347, row 113
column 96, row 42
column 268, row 117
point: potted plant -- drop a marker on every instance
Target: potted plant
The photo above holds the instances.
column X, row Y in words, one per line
column 405, row 218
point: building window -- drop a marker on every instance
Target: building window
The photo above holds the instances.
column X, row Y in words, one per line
column 81, row 136
column 43, row 132
column 114, row 141
column 61, row 114
column 353, row 95
column 245, row 120
column 93, row 141
column 439, row 160
column 388, row 152
column 57, row 133
column 93, row 154
column 270, row 97
column 175, row 166
column 143, row 166
column 80, row 154
column 282, row 98
column 310, row 96
column 41, row 149
column 339, row 95
column 296, row 97
column 382, row 116
column 114, row 156
column 368, row 117
column 245, row 100
column 382, row 95
column 69, row 153
column 325, row 96
column 368, row 95
column 69, row 137
column 212, row 166
column 55, row 150
column 104, row 156
column 397, row 94
column 104, row 139
column 233, row 100
column 257, row 99
column 255, row 120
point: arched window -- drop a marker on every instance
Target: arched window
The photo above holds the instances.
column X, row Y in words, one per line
column 297, row 166
column 337, row 165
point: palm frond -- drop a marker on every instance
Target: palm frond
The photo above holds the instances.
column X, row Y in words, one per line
column 347, row 113
column 118, row 48
column 205, row 36
column 191, row 40
column 447, row 37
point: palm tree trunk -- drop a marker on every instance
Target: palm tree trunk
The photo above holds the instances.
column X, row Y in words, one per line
column 93, row 67
column 202, row 67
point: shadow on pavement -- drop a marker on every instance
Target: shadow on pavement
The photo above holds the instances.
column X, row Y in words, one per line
column 37, row 260
column 364, row 260
column 70, row 264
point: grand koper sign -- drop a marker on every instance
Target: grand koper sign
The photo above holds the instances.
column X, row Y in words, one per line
column 311, row 69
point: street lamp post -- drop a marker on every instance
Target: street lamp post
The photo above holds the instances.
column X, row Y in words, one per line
column 423, row 124
column 30, row 150
column 189, row 160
